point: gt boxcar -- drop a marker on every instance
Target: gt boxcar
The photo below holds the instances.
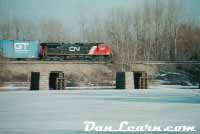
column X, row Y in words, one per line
column 20, row 49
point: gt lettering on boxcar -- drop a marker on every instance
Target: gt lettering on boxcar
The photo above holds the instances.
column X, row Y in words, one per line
column 21, row 47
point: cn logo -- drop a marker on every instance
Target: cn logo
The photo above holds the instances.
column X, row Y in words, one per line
column 21, row 47
column 74, row 49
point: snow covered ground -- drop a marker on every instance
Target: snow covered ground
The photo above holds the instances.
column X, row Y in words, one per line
column 63, row 112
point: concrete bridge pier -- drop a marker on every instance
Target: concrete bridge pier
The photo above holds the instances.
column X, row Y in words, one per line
column 44, row 81
column 125, row 80
column 129, row 80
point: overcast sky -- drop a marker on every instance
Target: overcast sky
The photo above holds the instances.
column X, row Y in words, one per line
column 69, row 11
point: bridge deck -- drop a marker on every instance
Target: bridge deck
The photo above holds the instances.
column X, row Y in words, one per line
column 90, row 62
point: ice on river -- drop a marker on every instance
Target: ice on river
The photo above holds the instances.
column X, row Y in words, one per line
column 63, row 112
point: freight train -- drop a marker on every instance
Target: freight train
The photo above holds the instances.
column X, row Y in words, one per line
column 34, row 50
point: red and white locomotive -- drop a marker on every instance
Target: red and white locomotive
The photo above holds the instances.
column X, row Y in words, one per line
column 75, row 51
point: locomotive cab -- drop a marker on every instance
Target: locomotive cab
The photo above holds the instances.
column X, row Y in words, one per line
column 102, row 49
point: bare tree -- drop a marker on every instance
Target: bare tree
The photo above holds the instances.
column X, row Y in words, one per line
column 52, row 31
column 5, row 29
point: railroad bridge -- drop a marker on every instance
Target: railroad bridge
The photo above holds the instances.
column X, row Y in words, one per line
column 45, row 67
column 25, row 68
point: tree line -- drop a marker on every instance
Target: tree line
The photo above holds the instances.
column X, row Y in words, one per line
column 157, row 31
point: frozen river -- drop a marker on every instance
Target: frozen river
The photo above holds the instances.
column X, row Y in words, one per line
column 63, row 112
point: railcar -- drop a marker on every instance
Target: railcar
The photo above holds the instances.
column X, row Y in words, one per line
column 14, row 49
column 75, row 51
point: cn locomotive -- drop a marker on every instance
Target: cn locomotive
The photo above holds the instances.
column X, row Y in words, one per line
column 34, row 50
